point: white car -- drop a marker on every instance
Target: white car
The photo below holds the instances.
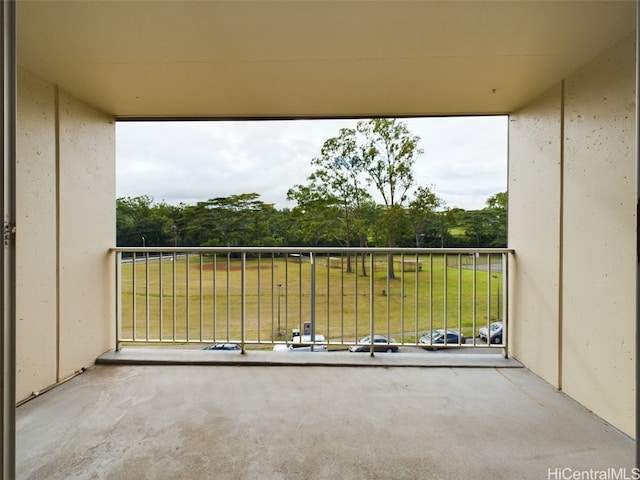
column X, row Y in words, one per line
column 302, row 343
column 494, row 333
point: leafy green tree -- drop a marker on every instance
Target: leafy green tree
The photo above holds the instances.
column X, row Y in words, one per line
column 422, row 214
column 497, row 210
column 140, row 222
column 486, row 227
column 237, row 220
column 388, row 153
column 336, row 185
column 315, row 215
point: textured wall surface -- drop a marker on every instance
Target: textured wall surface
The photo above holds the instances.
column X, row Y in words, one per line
column 572, row 223
column 87, row 219
column 36, row 310
column 534, row 232
column 598, row 341
column 65, row 226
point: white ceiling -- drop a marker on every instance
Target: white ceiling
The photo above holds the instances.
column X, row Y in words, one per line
column 312, row 58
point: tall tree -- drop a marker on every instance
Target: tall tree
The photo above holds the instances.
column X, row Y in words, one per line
column 388, row 152
column 422, row 213
column 315, row 215
column 337, row 183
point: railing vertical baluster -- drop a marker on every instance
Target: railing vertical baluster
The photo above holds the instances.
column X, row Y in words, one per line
column 300, row 326
column 174, row 288
column 505, row 305
column 286, row 294
column 214, row 292
column 259, row 294
column 186, row 296
column 431, row 297
column 228, row 296
column 459, row 298
column 446, row 295
column 355, row 297
column 388, row 291
column 402, row 292
column 328, row 298
column 474, row 304
column 201, row 297
column 488, row 299
column 342, row 297
column 273, row 304
column 134, row 290
column 146, row 295
column 312, row 299
column 118, row 292
column 160, row 295
column 371, row 303
column 416, row 297
column 243, row 309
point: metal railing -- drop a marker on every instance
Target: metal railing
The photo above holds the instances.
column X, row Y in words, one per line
column 258, row 297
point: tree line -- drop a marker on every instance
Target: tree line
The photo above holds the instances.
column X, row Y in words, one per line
column 335, row 207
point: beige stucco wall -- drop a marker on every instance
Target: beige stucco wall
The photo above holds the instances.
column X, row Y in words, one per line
column 600, row 236
column 36, row 308
column 534, row 231
column 572, row 223
column 65, row 226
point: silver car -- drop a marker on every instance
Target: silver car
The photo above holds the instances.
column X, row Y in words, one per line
column 494, row 333
column 380, row 344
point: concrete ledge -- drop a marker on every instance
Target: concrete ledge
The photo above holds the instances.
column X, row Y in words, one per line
column 181, row 356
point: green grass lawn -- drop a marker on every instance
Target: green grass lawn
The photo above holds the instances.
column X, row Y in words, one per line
column 199, row 298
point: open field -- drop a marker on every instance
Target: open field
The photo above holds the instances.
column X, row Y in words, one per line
column 200, row 297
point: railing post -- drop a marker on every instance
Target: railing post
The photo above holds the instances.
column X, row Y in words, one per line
column 505, row 304
column 312, row 305
column 371, row 303
column 243, row 310
column 118, row 299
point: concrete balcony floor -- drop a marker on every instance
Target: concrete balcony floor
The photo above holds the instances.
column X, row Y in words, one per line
column 275, row 421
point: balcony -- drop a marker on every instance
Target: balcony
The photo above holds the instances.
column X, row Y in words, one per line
column 159, row 406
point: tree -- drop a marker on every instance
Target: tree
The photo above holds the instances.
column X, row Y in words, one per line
column 486, row 227
column 336, row 184
column 388, row 151
column 315, row 215
column 141, row 222
column 422, row 213
column 236, row 220
column 497, row 210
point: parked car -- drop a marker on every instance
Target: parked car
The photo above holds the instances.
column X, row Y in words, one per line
column 223, row 346
column 494, row 333
column 380, row 344
column 430, row 340
column 302, row 343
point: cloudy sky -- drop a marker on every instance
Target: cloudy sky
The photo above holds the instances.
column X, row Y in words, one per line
column 465, row 158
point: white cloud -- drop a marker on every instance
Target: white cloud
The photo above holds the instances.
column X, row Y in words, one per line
column 464, row 157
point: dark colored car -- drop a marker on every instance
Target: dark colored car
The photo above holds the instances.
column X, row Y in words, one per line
column 380, row 344
column 223, row 346
column 430, row 340
column 494, row 333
